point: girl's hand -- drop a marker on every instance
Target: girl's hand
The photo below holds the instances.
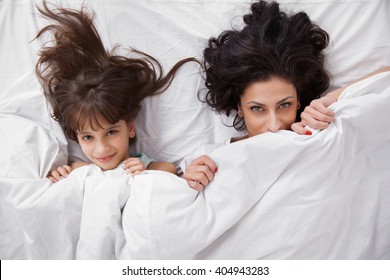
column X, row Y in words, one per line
column 133, row 165
column 59, row 173
column 200, row 172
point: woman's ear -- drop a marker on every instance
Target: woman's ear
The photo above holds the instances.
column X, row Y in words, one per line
column 239, row 112
column 131, row 129
column 299, row 105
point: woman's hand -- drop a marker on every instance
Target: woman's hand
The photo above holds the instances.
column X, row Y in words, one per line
column 133, row 165
column 317, row 115
column 200, row 172
column 59, row 173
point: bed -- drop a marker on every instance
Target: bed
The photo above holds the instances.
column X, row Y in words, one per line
column 275, row 196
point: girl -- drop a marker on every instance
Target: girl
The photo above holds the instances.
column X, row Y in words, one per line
column 95, row 94
column 265, row 75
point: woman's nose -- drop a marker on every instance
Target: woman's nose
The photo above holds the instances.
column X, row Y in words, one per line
column 273, row 124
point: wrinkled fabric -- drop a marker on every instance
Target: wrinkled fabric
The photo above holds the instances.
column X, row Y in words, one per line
column 275, row 196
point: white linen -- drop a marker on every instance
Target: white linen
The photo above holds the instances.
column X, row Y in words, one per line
column 282, row 196
column 276, row 196
column 268, row 200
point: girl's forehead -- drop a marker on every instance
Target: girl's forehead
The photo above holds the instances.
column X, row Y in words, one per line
column 101, row 124
column 93, row 123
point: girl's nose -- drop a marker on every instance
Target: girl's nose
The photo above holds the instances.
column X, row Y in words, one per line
column 102, row 146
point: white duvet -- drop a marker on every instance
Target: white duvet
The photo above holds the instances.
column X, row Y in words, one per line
column 275, row 196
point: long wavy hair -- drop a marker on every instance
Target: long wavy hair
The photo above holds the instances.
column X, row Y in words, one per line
column 85, row 83
column 271, row 43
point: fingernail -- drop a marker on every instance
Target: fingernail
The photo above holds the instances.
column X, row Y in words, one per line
column 216, row 170
column 308, row 132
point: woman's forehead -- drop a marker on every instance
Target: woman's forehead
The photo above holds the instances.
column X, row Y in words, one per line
column 272, row 90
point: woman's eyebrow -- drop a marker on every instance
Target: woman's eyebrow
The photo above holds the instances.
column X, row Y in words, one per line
column 285, row 99
column 280, row 101
column 256, row 103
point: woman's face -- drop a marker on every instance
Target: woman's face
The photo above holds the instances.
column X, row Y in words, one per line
column 269, row 106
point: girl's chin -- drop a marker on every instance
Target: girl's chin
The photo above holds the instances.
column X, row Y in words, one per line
column 106, row 167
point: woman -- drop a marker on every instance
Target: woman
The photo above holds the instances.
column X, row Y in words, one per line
column 265, row 75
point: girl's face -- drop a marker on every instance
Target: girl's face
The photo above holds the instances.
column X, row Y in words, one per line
column 269, row 106
column 106, row 146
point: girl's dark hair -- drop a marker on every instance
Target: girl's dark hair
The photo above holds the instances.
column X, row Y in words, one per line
column 271, row 43
column 85, row 83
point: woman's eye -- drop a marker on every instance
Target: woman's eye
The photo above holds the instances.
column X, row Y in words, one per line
column 257, row 108
column 285, row 105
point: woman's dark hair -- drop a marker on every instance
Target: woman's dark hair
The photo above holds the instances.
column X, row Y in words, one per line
column 271, row 43
column 85, row 83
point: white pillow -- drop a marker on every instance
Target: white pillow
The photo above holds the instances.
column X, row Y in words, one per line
column 31, row 142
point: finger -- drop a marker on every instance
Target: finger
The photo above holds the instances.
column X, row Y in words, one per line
column 197, row 177
column 202, row 170
column 321, row 105
column 299, row 128
column 63, row 172
column 134, row 168
column 317, row 115
column 56, row 175
column 328, row 100
column 68, row 168
column 52, row 179
column 195, row 185
column 207, row 161
column 313, row 123
column 131, row 162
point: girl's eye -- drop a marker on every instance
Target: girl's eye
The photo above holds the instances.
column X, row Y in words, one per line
column 256, row 108
column 86, row 137
column 285, row 105
column 112, row 132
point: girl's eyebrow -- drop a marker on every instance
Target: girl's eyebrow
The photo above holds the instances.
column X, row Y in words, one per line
column 112, row 127
column 83, row 132
column 106, row 129
column 279, row 102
